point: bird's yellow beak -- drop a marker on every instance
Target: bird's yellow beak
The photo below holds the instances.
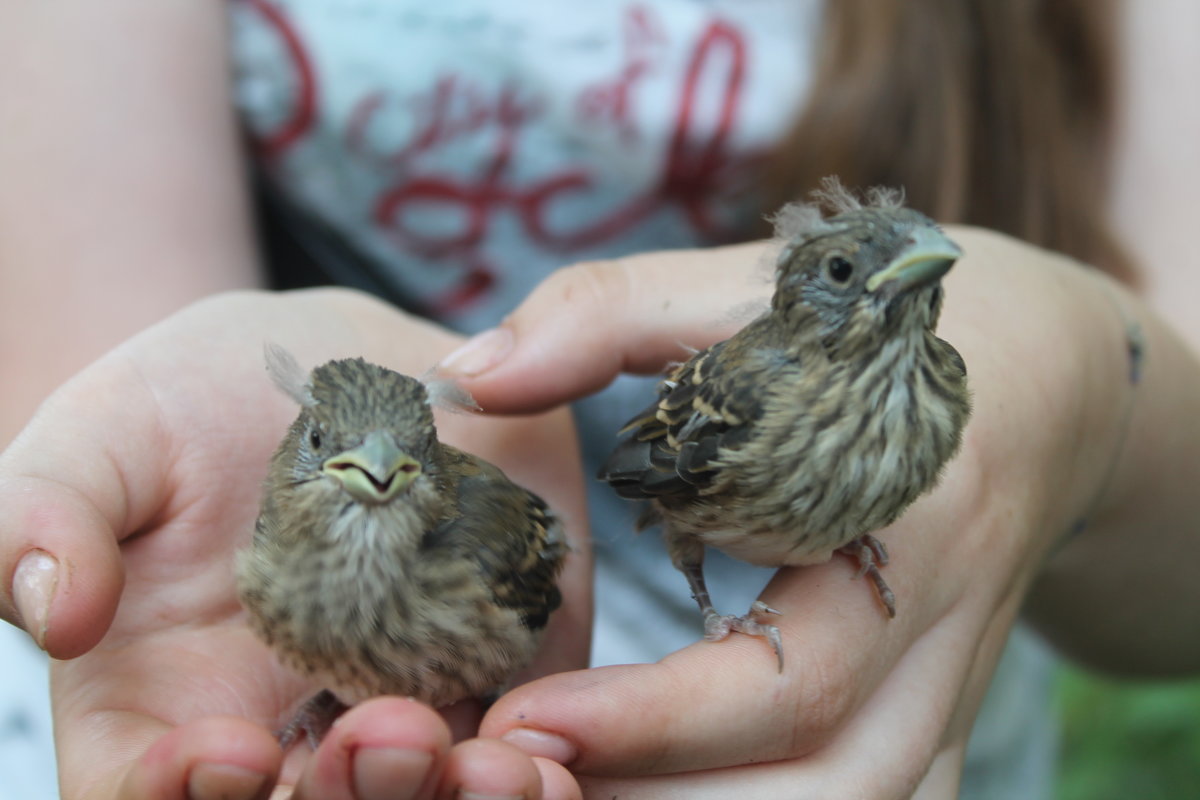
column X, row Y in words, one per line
column 927, row 258
column 375, row 471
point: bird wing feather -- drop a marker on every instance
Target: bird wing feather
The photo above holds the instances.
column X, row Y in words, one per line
column 508, row 532
column 673, row 447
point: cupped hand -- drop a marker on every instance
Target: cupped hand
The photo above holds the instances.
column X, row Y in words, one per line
column 865, row 707
column 124, row 501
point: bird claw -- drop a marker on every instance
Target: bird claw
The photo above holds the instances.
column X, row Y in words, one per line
column 759, row 607
column 718, row 626
column 871, row 554
column 314, row 718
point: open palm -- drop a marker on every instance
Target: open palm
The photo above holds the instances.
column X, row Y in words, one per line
column 142, row 477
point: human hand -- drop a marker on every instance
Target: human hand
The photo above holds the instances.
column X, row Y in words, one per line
column 141, row 476
column 865, row 707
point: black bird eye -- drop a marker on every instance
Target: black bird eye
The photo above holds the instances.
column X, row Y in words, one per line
column 314, row 438
column 840, row 269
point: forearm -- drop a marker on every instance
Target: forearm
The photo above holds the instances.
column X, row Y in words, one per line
column 1121, row 595
column 122, row 197
column 1095, row 435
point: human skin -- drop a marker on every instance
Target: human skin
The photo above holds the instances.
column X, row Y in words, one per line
column 202, row 425
column 123, row 196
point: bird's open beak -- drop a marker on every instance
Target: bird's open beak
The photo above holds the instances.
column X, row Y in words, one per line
column 928, row 257
column 375, row 471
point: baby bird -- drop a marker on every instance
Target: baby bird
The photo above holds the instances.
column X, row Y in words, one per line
column 821, row 420
column 385, row 562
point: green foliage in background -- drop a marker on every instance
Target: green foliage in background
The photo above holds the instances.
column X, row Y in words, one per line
column 1128, row 741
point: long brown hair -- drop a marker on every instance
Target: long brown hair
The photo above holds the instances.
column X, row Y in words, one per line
column 987, row 112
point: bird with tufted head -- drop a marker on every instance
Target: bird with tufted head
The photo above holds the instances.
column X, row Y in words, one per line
column 819, row 422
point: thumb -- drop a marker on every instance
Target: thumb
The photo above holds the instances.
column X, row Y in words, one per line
column 67, row 503
column 587, row 323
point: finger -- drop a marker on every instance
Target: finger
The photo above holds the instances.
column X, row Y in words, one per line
column 587, row 323
column 893, row 747
column 67, row 502
column 489, row 768
column 218, row 758
column 384, row 748
column 62, row 581
column 557, row 782
column 719, row 703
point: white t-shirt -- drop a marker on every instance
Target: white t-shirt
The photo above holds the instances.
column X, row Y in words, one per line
column 474, row 146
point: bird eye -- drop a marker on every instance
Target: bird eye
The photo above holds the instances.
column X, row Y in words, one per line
column 839, row 269
column 314, row 438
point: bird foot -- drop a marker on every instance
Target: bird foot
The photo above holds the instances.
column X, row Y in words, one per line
column 871, row 555
column 718, row 626
column 314, row 719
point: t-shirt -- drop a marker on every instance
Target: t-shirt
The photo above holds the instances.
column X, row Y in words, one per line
column 472, row 147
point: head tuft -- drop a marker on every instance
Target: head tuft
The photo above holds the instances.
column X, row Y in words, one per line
column 287, row 374
column 800, row 221
column 837, row 199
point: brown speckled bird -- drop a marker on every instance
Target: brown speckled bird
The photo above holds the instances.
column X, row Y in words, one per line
column 821, row 420
column 385, row 562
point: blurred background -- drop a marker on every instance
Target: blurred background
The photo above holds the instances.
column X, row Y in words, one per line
column 1124, row 740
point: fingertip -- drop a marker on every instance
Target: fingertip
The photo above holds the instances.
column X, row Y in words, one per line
column 216, row 758
column 557, row 781
column 378, row 748
column 557, row 345
column 64, row 567
column 488, row 768
column 393, row 722
column 567, row 717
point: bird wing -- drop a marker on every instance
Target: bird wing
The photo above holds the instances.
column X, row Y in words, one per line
column 508, row 532
column 672, row 448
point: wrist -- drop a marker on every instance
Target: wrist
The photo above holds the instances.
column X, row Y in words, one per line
column 1048, row 358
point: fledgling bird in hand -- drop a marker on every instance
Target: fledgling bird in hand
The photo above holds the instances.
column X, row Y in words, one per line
column 821, row 420
column 386, row 562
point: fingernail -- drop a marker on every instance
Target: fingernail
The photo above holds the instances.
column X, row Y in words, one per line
column 34, row 583
column 389, row 773
column 540, row 743
column 224, row 781
column 479, row 354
